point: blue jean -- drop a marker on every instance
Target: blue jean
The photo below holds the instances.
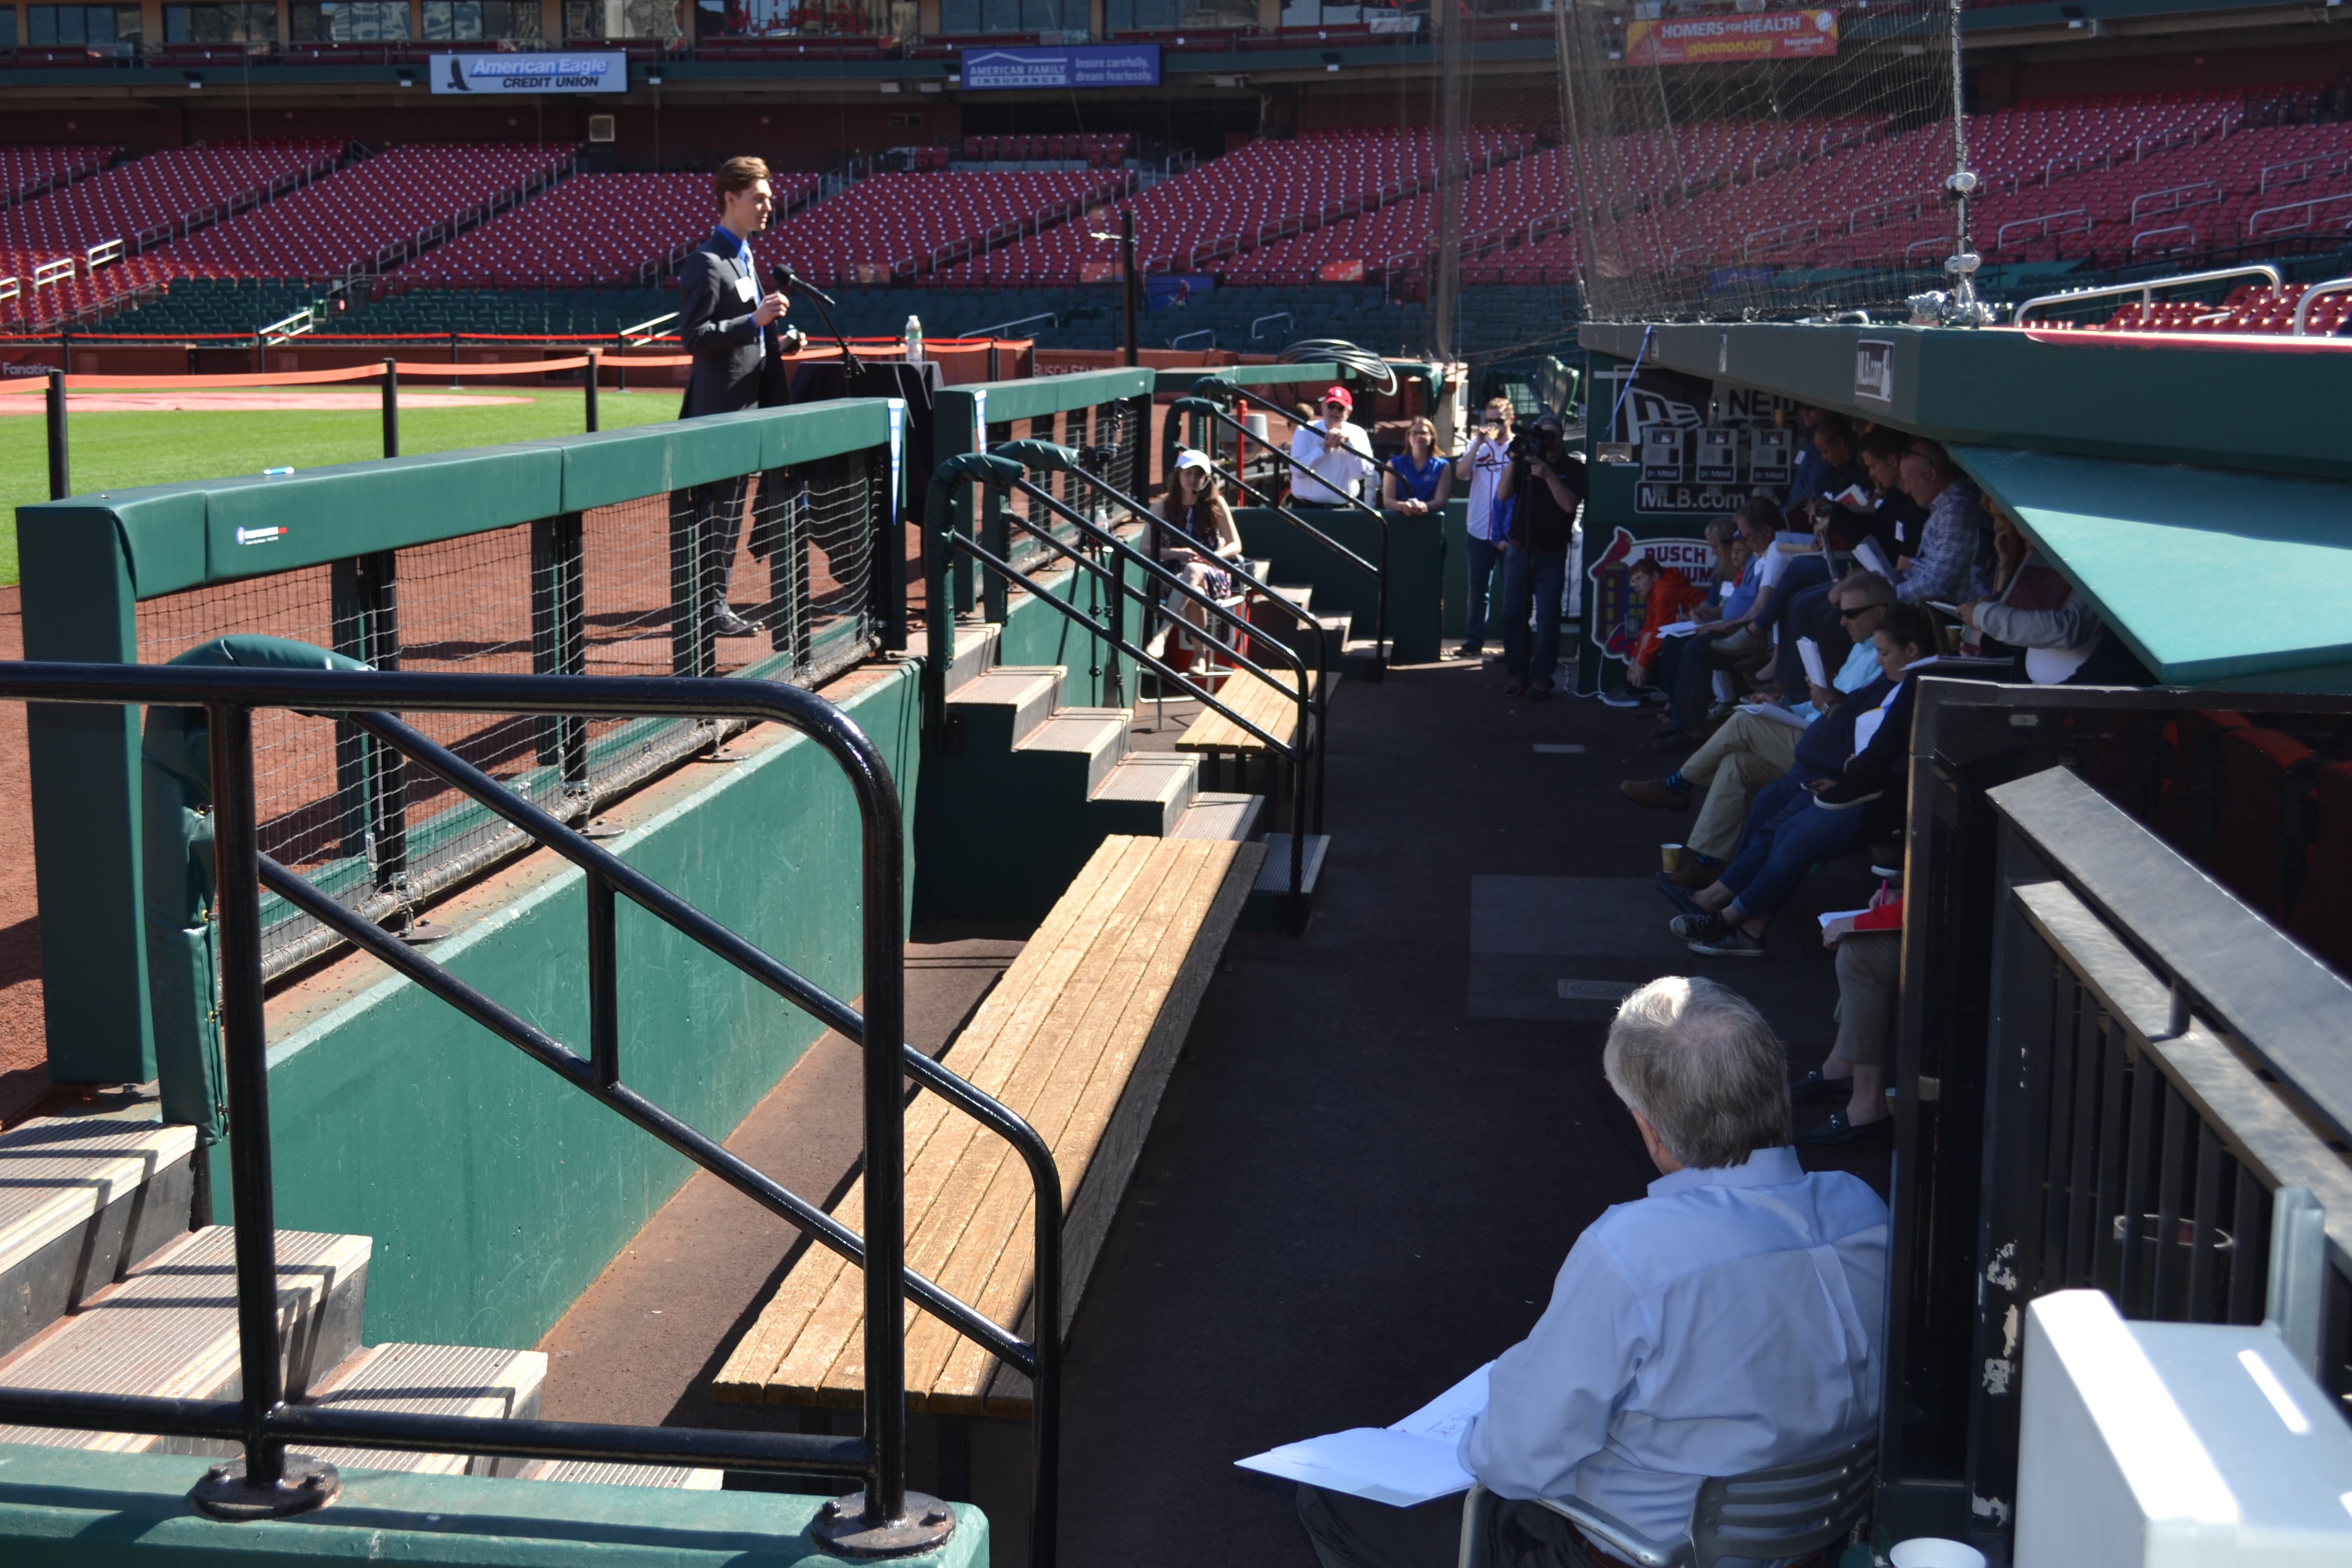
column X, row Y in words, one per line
column 1786, row 833
column 1800, row 574
column 1482, row 558
column 1531, row 583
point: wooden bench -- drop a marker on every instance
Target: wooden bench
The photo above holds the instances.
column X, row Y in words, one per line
column 1272, row 708
column 1080, row 1037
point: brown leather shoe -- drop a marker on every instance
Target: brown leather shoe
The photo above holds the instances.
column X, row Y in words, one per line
column 1696, row 873
column 1654, row 795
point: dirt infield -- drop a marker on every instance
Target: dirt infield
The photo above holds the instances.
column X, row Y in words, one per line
column 245, row 401
column 24, row 1052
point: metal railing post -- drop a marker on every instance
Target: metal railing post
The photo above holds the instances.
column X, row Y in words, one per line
column 60, row 463
column 264, row 1483
column 390, row 409
column 596, row 372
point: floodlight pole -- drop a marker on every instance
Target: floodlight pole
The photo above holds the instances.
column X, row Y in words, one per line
column 1963, row 309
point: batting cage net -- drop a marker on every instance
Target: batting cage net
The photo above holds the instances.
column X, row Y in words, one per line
column 770, row 576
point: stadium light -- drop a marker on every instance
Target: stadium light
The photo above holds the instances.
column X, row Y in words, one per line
column 407, row 77
column 653, row 76
column 196, row 80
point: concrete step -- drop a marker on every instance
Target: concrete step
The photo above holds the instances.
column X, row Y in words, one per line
column 998, row 709
column 82, row 1198
column 1268, row 908
column 1364, row 659
column 432, row 1379
column 1086, row 744
column 1147, row 794
column 1220, row 815
column 1299, row 595
column 169, row 1330
column 583, row 1471
column 975, row 646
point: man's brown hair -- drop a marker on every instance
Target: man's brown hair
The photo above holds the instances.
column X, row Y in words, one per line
column 737, row 174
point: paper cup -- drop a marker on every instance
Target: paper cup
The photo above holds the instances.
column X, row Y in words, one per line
column 1933, row 1551
column 1670, row 856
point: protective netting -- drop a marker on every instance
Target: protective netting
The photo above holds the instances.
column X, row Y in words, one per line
column 630, row 589
column 1727, row 157
column 1690, row 158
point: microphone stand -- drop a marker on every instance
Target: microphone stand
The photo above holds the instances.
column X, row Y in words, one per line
column 792, row 283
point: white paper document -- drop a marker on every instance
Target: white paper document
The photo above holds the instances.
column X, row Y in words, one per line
column 1679, row 630
column 1874, row 559
column 1810, row 652
column 1409, row 1463
column 1774, row 711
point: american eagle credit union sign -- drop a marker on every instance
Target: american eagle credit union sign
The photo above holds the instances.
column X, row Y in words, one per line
column 1707, row 40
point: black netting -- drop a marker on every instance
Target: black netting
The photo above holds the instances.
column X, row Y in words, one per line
column 630, row 589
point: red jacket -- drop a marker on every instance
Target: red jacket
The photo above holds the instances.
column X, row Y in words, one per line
column 1670, row 596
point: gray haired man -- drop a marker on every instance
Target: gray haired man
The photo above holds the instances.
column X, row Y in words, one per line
column 1728, row 1322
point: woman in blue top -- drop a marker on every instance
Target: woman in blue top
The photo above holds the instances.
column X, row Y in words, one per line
column 1417, row 479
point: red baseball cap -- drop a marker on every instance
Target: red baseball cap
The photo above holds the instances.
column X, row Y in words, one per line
column 1339, row 394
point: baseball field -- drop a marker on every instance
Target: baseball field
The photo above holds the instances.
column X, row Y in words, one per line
column 120, row 439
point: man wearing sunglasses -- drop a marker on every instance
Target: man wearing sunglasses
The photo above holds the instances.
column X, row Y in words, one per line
column 1337, row 452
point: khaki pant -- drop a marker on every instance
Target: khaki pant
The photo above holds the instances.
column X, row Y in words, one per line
column 1869, row 985
column 1748, row 752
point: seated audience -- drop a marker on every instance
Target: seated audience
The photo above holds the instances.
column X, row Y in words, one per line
column 1729, row 641
column 1417, row 481
column 1956, row 540
column 1728, row 1322
column 1668, row 598
column 1890, row 529
column 1685, row 708
column 1753, row 750
column 1196, row 537
column 1795, row 823
column 2035, row 609
column 1869, row 948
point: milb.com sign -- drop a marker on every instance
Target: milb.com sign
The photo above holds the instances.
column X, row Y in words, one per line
column 1696, row 40
column 488, row 73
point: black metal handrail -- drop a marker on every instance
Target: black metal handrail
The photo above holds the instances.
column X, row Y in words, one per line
column 1203, row 404
column 267, row 1481
column 1046, row 454
column 943, row 538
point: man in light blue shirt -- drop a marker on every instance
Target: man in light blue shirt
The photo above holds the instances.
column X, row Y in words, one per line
column 1728, row 1321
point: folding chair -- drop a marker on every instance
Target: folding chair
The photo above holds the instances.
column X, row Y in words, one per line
column 1785, row 1512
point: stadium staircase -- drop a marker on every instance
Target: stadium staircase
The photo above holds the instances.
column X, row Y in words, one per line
column 106, row 1286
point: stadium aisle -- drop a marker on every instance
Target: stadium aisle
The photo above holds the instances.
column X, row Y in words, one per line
column 1361, row 1180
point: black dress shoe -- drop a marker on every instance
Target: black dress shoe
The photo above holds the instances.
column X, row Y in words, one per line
column 728, row 623
column 1838, row 1131
column 1814, row 1088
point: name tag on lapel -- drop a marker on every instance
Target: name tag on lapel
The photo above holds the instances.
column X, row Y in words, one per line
column 745, row 289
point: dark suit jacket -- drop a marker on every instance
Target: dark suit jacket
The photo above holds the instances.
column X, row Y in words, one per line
column 730, row 372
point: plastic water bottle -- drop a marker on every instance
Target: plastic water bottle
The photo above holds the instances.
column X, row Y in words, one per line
column 914, row 340
column 275, row 473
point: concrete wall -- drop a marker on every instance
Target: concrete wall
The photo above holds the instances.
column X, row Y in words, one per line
column 495, row 1192
column 1417, row 553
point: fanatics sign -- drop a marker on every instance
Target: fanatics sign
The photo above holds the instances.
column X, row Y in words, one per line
column 1707, row 40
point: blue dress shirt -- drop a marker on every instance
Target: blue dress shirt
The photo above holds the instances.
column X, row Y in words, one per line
column 1728, row 1321
column 743, row 258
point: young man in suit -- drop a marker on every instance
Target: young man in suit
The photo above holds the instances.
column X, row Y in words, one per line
column 731, row 329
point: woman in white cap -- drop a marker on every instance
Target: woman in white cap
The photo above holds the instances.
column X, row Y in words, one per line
column 1196, row 535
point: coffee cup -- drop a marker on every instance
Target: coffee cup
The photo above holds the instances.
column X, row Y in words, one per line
column 1670, row 855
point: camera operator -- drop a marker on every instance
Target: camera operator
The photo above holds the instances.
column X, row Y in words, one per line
column 1545, row 486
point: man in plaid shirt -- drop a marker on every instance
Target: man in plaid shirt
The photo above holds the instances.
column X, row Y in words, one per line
column 1948, row 565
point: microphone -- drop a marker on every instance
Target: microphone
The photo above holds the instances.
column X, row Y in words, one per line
column 792, row 282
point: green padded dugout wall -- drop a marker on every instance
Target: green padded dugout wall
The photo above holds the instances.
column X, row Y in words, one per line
column 87, row 561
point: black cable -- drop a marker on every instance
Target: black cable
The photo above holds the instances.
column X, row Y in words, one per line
column 1340, row 351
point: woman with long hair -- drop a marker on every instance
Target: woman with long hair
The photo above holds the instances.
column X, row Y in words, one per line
column 1195, row 537
column 1417, row 481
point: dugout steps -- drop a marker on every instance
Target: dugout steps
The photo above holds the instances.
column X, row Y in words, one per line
column 105, row 1289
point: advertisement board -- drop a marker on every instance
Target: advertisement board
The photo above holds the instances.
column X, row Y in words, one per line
column 550, row 72
column 1708, row 40
column 1084, row 65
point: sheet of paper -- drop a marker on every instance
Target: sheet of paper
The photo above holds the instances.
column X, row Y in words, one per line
column 1829, row 915
column 1774, row 711
column 1853, row 496
column 1868, row 553
column 1810, row 652
column 1410, row 1463
column 1679, row 630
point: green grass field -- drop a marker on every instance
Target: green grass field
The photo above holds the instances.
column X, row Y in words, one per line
column 118, row 451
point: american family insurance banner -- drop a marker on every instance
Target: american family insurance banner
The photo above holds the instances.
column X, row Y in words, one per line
column 1703, row 40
